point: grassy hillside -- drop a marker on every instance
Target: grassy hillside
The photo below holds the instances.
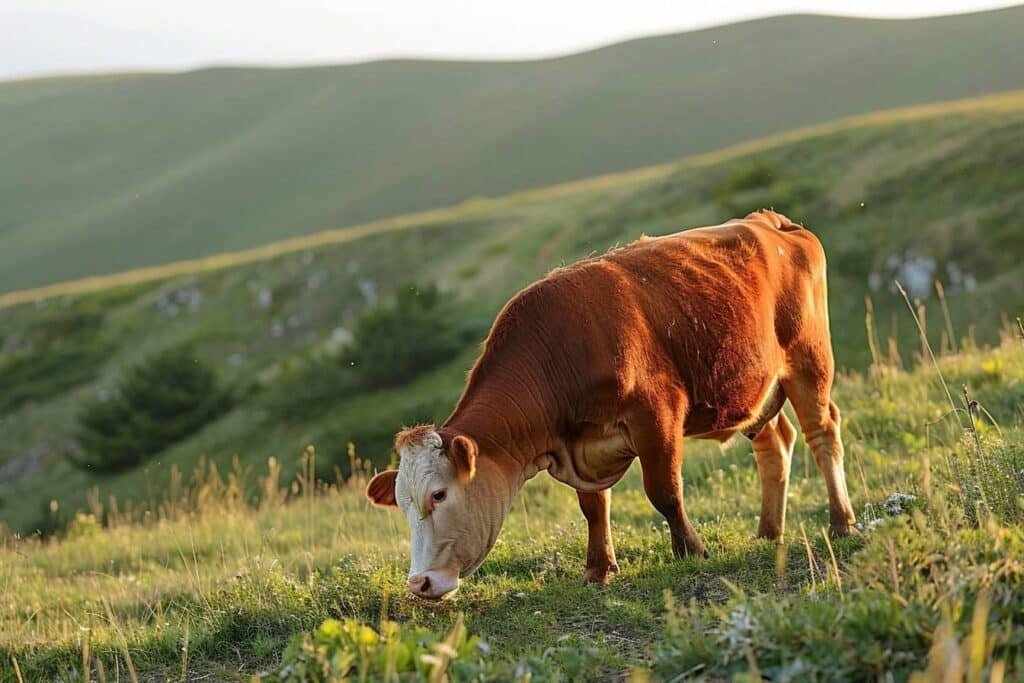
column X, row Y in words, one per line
column 213, row 584
column 105, row 174
column 919, row 195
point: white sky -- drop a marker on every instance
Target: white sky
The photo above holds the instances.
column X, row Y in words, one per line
column 52, row 36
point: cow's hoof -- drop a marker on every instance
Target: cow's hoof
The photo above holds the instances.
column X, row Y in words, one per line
column 777, row 540
column 842, row 531
column 769, row 533
column 683, row 551
column 600, row 575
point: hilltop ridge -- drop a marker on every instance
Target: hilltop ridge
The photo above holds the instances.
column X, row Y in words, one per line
column 145, row 169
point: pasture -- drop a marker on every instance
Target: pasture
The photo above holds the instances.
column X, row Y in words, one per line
column 236, row 551
column 918, row 195
column 219, row 573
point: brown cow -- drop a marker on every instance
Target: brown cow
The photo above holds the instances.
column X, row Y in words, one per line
column 704, row 333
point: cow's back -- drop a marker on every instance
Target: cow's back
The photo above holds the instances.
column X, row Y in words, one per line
column 713, row 311
column 746, row 280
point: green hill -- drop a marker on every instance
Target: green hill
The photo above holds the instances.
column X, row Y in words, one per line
column 108, row 173
column 929, row 193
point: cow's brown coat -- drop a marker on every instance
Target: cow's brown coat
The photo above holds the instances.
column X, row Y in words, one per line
column 704, row 333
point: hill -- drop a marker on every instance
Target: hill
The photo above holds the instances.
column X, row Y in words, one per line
column 109, row 173
column 932, row 193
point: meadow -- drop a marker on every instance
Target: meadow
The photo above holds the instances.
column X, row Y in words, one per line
column 107, row 173
column 918, row 195
column 224, row 568
column 246, row 548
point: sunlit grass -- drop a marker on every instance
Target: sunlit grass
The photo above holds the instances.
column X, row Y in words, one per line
column 218, row 578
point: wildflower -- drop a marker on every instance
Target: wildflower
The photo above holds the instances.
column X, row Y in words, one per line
column 898, row 503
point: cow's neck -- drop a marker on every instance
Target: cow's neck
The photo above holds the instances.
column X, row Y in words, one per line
column 508, row 426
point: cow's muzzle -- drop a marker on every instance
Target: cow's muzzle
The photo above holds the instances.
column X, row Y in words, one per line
column 434, row 584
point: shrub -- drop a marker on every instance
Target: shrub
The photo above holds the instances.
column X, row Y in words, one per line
column 309, row 386
column 41, row 374
column 158, row 402
column 393, row 344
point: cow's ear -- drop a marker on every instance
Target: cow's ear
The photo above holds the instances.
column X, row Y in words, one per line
column 381, row 489
column 463, row 454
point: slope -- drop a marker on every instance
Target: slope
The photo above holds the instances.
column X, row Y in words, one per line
column 933, row 193
column 106, row 174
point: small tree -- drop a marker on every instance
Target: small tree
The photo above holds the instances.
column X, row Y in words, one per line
column 394, row 344
column 158, row 402
column 391, row 345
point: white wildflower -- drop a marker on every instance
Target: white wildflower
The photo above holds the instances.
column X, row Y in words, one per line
column 898, row 503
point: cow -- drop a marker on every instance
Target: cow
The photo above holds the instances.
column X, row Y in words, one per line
column 704, row 333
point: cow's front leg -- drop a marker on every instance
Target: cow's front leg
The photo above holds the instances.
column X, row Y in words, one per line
column 658, row 438
column 596, row 507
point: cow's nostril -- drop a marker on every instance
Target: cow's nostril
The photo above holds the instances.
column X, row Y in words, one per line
column 433, row 584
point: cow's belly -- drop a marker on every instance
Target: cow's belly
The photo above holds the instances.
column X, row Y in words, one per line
column 594, row 460
column 720, row 421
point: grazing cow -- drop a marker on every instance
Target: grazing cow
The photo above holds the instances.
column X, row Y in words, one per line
column 704, row 333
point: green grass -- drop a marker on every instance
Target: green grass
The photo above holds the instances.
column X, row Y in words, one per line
column 197, row 561
column 107, row 174
column 219, row 572
column 926, row 179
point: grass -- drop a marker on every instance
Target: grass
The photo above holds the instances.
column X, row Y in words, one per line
column 217, row 574
column 110, row 174
column 934, row 191
column 218, row 555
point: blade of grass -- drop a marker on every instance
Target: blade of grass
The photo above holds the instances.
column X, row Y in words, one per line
column 122, row 641
column 928, row 347
column 17, row 669
column 834, row 565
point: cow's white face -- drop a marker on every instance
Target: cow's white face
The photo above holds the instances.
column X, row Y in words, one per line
column 454, row 515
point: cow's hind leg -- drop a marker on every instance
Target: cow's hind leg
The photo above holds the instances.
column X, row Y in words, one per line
column 596, row 507
column 659, row 444
column 820, row 422
column 773, row 450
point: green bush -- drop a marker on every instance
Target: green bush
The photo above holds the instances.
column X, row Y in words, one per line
column 307, row 387
column 393, row 344
column 158, row 402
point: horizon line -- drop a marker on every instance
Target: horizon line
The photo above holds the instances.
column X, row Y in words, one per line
column 142, row 71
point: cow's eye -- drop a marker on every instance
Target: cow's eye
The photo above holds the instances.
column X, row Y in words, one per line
column 439, row 495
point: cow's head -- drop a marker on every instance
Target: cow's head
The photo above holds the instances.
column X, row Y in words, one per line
column 455, row 504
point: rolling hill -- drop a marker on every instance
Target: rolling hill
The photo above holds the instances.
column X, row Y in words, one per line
column 928, row 193
column 102, row 174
